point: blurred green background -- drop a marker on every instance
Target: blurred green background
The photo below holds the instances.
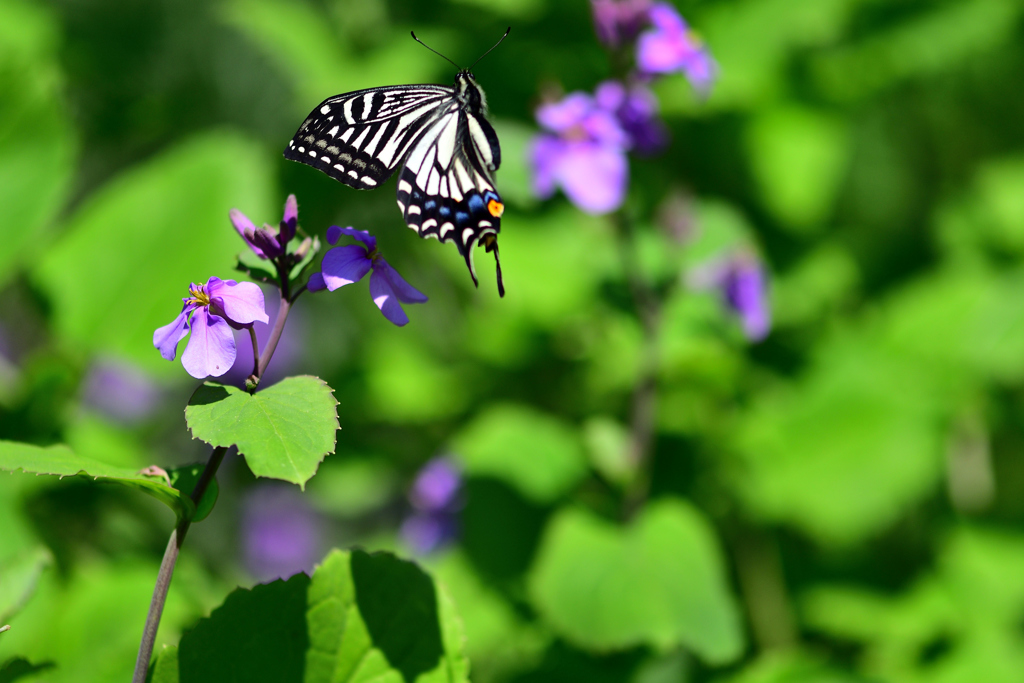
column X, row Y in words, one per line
column 840, row 502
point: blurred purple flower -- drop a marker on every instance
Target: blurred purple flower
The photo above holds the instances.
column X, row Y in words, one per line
column 281, row 534
column 266, row 242
column 120, row 391
column 344, row 265
column 742, row 282
column 209, row 313
column 584, row 153
column 669, row 46
column 636, row 109
column 434, row 496
column 619, row 21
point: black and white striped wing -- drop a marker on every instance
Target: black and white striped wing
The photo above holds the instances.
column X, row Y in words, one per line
column 360, row 137
column 446, row 188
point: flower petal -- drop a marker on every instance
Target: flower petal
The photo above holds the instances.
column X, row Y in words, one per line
column 405, row 292
column 290, row 220
column 242, row 225
column 334, row 233
column 211, row 346
column 242, row 302
column 544, row 153
column 566, row 113
column 344, row 265
column 316, row 282
column 385, row 298
column 166, row 338
column 593, row 177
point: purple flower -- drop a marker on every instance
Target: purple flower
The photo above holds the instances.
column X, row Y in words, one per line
column 669, row 46
column 209, row 313
column 287, row 354
column 619, row 21
column 267, row 242
column 636, row 109
column 281, row 533
column 435, row 500
column 120, row 391
column 344, row 265
column 584, row 153
column 742, row 282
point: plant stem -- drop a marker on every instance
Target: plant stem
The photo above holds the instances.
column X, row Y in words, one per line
column 163, row 577
column 255, row 351
column 275, row 336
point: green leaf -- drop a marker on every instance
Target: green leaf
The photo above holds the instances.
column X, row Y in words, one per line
column 37, row 141
column 185, row 478
column 18, row 668
column 62, row 462
column 538, row 454
column 169, row 213
column 660, row 582
column 18, row 578
column 361, row 617
column 284, row 431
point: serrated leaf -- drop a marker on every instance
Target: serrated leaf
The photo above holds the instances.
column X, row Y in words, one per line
column 659, row 582
column 18, row 579
column 284, row 431
column 61, row 461
column 361, row 618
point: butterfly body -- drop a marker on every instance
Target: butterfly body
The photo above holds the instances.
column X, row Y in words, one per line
column 438, row 135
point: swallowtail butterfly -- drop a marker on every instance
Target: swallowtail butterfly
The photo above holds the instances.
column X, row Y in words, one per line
column 439, row 136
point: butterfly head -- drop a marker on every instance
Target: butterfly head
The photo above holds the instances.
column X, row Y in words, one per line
column 468, row 92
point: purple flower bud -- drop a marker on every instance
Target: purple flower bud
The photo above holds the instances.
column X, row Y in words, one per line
column 281, row 534
column 266, row 242
column 669, row 46
column 120, row 391
column 208, row 314
column 742, row 283
column 348, row 264
column 436, row 486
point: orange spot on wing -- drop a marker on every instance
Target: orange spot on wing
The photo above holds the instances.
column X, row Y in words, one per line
column 496, row 208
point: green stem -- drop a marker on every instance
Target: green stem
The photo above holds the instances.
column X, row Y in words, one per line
column 163, row 578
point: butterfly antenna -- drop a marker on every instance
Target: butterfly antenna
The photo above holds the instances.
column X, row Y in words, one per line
column 413, row 34
column 489, row 51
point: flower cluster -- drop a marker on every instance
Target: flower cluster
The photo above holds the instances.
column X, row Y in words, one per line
column 435, row 499
column 266, row 242
column 583, row 146
column 344, row 265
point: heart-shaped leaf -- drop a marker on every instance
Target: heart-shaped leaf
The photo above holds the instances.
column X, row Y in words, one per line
column 284, row 431
column 361, row 618
column 659, row 582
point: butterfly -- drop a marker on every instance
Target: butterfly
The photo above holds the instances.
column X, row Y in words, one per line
column 438, row 135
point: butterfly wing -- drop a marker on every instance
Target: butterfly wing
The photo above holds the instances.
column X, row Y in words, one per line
column 359, row 138
column 446, row 188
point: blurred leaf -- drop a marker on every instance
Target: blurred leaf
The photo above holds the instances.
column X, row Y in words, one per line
column 799, row 157
column 301, row 40
column 89, row 624
column 138, row 242
column 848, row 447
column 608, row 447
column 351, row 487
column 659, row 582
column 18, row 668
column 537, row 454
column 514, row 9
column 791, row 667
column 407, row 382
column 37, row 141
column 362, row 617
column 284, row 431
column 939, row 37
column 967, row 615
column 62, row 462
column 92, row 437
column 721, row 229
column 814, row 286
column 18, row 579
column 499, row 641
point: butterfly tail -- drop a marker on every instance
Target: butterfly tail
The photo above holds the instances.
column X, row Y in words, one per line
column 492, row 245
